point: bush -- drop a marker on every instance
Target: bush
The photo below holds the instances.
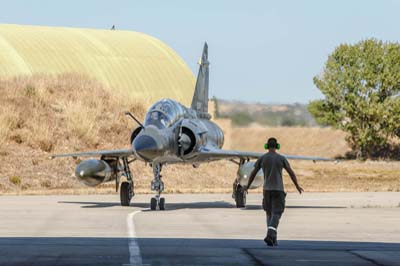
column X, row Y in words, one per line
column 45, row 183
column 241, row 119
column 16, row 180
column 30, row 90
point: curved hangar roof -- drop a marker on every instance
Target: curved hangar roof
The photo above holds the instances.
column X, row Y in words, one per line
column 126, row 60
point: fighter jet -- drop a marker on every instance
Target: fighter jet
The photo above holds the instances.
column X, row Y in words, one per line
column 171, row 133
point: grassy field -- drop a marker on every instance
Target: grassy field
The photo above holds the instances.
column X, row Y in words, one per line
column 42, row 115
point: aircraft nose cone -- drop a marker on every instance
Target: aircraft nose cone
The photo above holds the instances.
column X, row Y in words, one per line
column 145, row 142
column 146, row 146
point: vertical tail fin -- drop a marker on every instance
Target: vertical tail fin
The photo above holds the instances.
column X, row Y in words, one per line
column 200, row 97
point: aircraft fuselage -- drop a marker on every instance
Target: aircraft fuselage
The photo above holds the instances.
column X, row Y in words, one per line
column 173, row 133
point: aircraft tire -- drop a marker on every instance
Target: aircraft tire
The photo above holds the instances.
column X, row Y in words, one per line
column 161, row 204
column 240, row 198
column 153, row 204
column 124, row 194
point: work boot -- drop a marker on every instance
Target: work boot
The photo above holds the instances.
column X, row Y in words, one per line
column 270, row 239
column 275, row 241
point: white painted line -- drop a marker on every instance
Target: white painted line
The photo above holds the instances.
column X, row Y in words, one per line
column 135, row 258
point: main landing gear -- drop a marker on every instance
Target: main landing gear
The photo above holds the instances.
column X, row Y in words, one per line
column 157, row 185
column 126, row 191
column 239, row 195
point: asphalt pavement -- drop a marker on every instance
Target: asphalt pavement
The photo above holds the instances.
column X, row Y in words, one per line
column 200, row 229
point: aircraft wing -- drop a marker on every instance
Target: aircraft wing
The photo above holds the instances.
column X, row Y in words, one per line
column 117, row 153
column 230, row 154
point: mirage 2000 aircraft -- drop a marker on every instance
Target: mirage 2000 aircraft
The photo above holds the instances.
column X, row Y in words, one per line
column 171, row 133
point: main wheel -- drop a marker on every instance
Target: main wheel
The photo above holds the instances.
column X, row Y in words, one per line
column 161, row 204
column 125, row 193
column 240, row 198
column 153, row 204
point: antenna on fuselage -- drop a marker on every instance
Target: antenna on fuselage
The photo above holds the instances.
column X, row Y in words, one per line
column 134, row 118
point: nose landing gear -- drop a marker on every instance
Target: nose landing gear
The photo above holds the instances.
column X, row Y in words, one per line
column 157, row 185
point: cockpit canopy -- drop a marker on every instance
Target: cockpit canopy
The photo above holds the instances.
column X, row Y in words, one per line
column 164, row 113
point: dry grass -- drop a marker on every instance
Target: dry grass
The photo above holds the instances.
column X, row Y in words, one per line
column 43, row 114
column 4, row 126
column 53, row 113
column 40, row 115
column 216, row 177
column 322, row 142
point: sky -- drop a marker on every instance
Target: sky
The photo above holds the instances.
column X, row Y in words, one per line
column 260, row 51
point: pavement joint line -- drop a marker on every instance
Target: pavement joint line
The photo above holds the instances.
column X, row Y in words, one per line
column 253, row 258
column 354, row 252
column 135, row 257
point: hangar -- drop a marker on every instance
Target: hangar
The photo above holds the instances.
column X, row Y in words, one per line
column 123, row 60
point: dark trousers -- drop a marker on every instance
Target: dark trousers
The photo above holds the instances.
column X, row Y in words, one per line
column 274, row 206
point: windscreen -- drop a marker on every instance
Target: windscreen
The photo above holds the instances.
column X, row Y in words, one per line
column 164, row 113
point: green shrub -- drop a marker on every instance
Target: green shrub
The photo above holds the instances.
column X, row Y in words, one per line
column 16, row 180
column 30, row 90
column 241, row 119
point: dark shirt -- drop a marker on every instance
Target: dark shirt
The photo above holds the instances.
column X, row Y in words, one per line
column 272, row 163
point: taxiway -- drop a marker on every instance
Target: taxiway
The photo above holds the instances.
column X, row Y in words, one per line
column 316, row 228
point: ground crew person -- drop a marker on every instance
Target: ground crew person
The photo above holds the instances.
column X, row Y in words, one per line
column 274, row 194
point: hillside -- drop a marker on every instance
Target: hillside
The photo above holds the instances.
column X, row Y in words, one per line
column 41, row 115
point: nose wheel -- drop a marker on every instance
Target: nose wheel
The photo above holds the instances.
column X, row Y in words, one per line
column 160, row 203
column 157, row 185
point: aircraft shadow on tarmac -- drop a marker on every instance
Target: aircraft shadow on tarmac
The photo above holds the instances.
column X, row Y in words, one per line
column 189, row 205
column 169, row 206
column 191, row 251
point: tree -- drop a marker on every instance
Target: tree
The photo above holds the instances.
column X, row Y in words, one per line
column 241, row 118
column 361, row 85
column 216, row 107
